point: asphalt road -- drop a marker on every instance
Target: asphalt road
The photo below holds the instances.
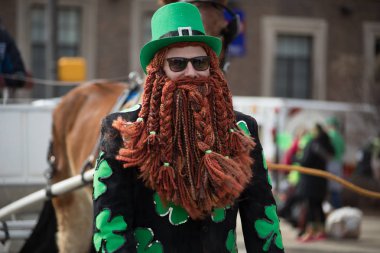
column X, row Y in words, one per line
column 368, row 242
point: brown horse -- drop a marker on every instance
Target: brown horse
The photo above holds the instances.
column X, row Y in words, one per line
column 76, row 127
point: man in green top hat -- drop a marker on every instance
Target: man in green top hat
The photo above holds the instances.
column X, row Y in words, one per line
column 175, row 170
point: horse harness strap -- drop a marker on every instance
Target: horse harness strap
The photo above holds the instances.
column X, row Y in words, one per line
column 6, row 232
column 89, row 163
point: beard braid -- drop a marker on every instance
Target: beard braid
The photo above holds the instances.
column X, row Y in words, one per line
column 186, row 142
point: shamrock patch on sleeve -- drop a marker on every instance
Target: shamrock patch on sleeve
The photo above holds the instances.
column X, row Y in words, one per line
column 269, row 229
column 177, row 214
column 102, row 171
column 231, row 242
column 244, row 127
column 144, row 237
column 108, row 237
column 266, row 168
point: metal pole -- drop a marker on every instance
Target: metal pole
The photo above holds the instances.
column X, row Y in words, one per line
column 17, row 234
column 5, row 95
column 57, row 189
column 51, row 45
column 19, row 224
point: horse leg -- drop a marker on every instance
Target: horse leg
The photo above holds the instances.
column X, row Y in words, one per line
column 73, row 210
column 74, row 219
column 74, row 216
column 76, row 125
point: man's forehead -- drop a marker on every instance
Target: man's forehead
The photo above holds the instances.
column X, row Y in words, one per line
column 186, row 51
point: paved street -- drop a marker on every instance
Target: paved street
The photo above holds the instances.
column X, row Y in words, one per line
column 369, row 241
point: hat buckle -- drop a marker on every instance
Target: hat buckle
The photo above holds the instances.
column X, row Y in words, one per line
column 188, row 29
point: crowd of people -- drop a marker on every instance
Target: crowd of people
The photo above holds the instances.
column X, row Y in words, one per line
column 309, row 199
column 312, row 149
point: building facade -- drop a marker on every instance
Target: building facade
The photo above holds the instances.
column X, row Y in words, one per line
column 325, row 50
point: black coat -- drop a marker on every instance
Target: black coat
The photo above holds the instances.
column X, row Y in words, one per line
column 129, row 217
column 316, row 155
column 10, row 61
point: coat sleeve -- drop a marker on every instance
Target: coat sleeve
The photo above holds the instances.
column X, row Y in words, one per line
column 257, row 206
column 112, row 197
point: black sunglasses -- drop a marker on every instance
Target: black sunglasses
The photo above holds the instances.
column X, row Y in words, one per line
column 200, row 63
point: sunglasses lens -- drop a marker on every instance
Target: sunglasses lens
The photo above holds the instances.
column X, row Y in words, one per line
column 177, row 64
column 201, row 63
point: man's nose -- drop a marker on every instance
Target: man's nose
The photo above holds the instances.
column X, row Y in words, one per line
column 190, row 71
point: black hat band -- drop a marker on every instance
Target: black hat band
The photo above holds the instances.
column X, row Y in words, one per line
column 182, row 31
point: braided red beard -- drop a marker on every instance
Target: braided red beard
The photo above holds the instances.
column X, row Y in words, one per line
column 186, row 150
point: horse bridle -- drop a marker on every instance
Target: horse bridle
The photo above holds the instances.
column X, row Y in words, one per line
column 233, row 27
column 229, row 33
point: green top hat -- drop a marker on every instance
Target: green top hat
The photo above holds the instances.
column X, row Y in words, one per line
column 176, row 22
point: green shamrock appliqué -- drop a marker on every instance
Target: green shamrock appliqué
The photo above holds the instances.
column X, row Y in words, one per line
column 177, row 214
column 243, row 126
column 266, row 167
column 102, row 171
column 144, row 237
column 269, row 229
column 231, row 242
column 219, row 214
column 105, row 239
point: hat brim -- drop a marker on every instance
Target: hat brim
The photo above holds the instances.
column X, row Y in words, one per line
column 151, row 48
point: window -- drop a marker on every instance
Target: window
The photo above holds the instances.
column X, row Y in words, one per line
column 377, row 60
column 372, row 61
column 294, row 57
column 68, row 43
column 38, row 35
column 293, row 66
column 69, row 19
column 69, row 31
column 76, row 36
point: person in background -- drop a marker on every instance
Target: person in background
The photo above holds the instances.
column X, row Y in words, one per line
column 313, row 189
column 12, row 70
column 295, row 149
column 368, row 159
column 174, row 171
column 292, row 209
column 335, row 165
column 375, row 157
